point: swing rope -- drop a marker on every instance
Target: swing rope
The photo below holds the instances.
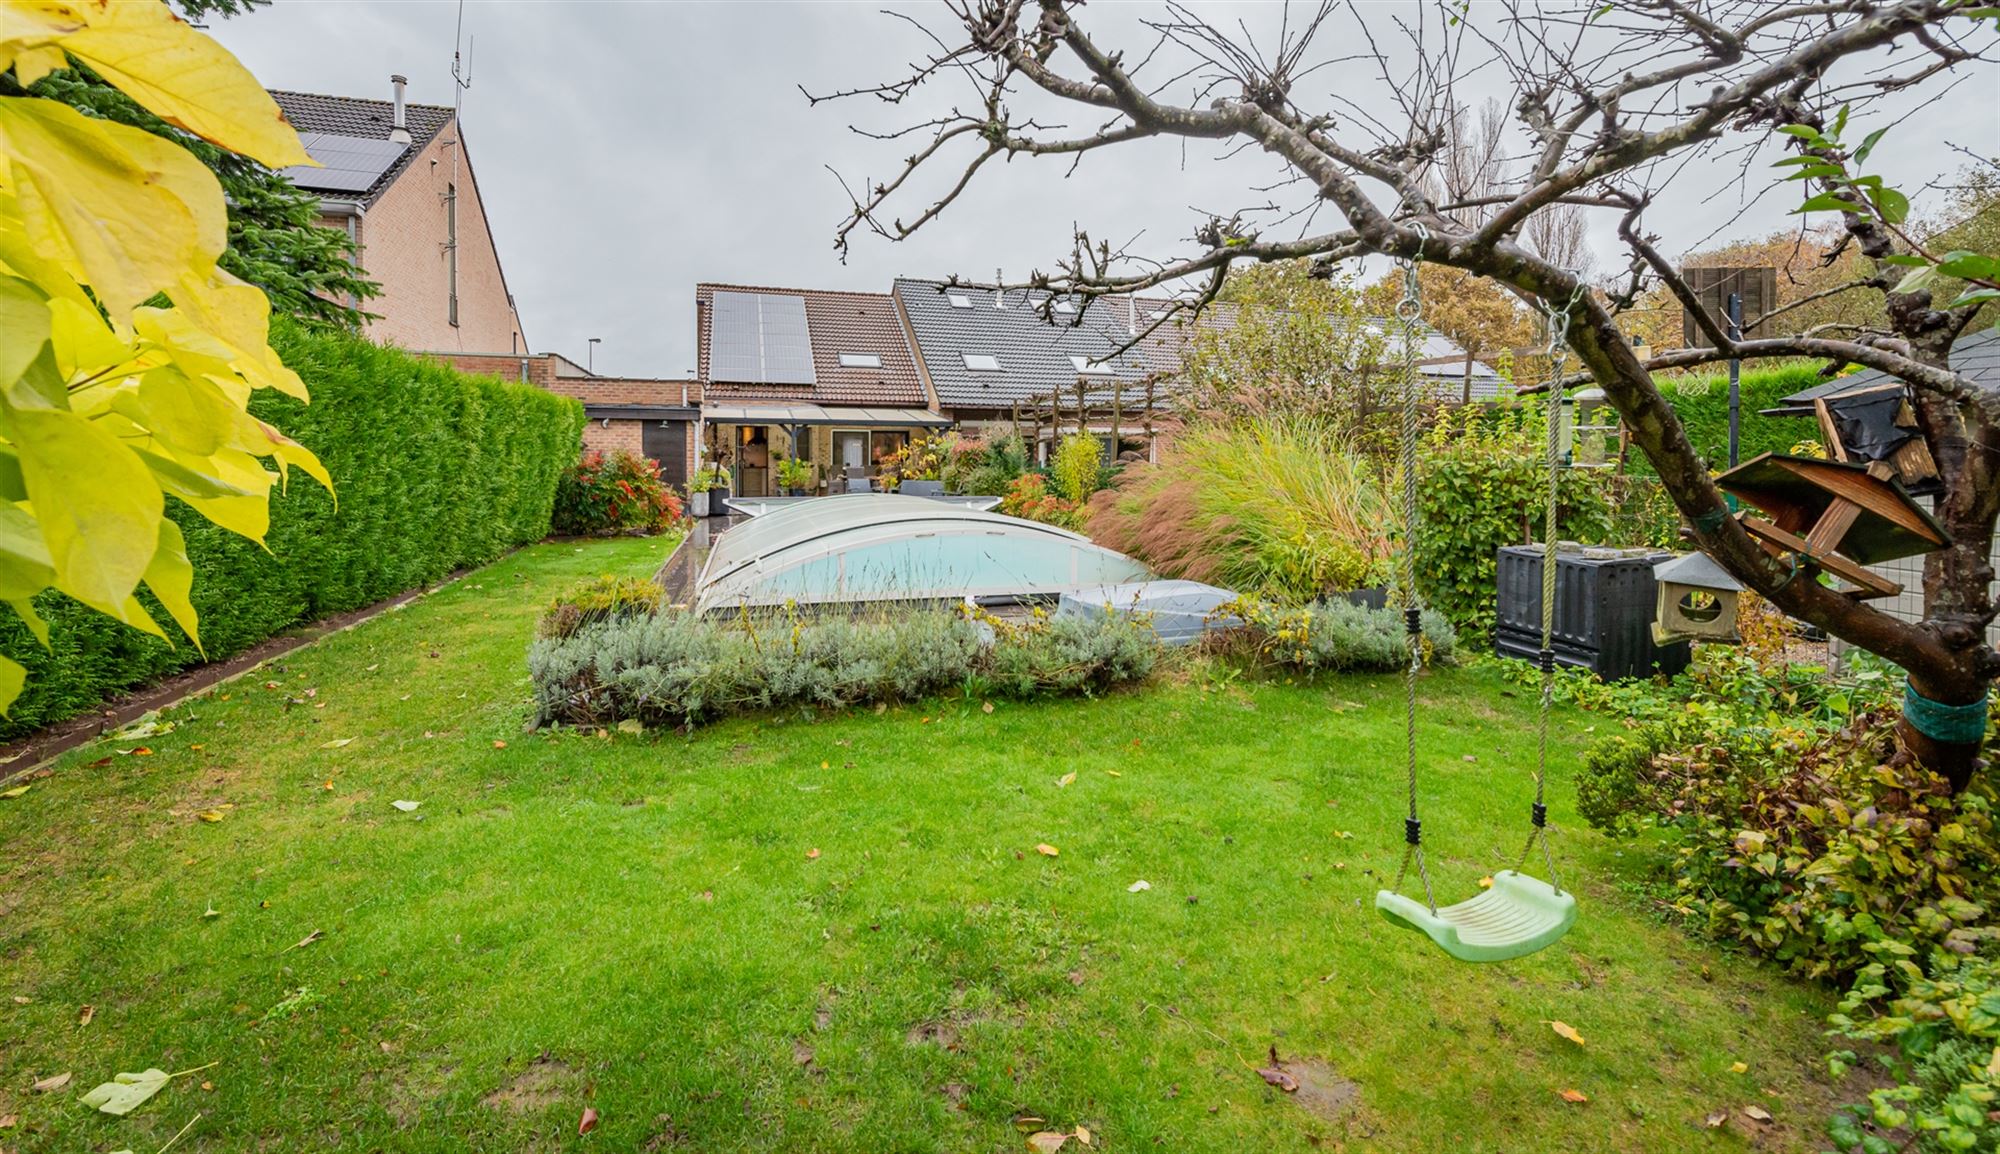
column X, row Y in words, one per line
column 1410, row 311
column 1558, row 352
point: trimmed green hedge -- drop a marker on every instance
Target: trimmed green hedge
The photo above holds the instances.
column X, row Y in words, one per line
column 435, row 470
column 1703, row 405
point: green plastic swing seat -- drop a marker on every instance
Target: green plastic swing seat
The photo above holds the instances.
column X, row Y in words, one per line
column 1515, row 917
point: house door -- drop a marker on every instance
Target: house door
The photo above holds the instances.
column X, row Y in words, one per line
column 666, row 443
column 850, row 452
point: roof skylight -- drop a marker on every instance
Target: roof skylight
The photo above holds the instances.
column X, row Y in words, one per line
column 1088, row 367
column 981, row 362
column 860, row 361
column 959, row 300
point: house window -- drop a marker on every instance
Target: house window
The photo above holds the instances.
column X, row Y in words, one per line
column 451, row 250
column 1087, row 367
column 860, row 361
column 981, row 362
column 960, row 301
column 1065, row 307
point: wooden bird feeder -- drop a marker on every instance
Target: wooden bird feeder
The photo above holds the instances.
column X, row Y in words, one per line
column 1833, row 515
column 1697, row 601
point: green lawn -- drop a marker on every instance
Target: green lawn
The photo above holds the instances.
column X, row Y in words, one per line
column 641, row 924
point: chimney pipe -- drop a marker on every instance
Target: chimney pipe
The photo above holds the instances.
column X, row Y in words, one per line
column 999, row 298
column 399, row 129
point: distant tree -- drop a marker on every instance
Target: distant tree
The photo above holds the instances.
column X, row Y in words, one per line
column 1606, row 106
column 1294, row 344
column 1476, row 313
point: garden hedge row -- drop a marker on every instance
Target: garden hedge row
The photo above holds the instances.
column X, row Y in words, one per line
column 1703, row 405
column 435, row 471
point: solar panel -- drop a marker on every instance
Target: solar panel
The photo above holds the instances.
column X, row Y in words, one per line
column 348, row 163
column 760, row 338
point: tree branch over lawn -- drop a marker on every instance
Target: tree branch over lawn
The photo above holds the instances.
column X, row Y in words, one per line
column 1609, row 102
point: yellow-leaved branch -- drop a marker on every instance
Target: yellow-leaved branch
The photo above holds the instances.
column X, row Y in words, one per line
column 127, row 357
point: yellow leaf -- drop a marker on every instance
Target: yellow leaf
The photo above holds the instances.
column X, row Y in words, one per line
column 185, row 79
column 1486, row 883
column 1047, row 1141
column 25, row 568
column 13, row 675
column 1565, row 1030
column 1739, row 1068
column 1047, row 850
column 1065, row 780
column 1083, row 1135
column 171, row 578
column 812, row 854
column 98, row 505
column 1575, row 1096
column 14, row 792
column 336, row 743
column 25, row 322
column 210, row 815
column 123, row 211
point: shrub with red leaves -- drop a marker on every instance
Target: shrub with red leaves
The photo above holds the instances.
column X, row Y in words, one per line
column 614, row 493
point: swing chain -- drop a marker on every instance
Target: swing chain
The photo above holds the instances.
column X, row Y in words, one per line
column 1558, row 352
column 1410, row 311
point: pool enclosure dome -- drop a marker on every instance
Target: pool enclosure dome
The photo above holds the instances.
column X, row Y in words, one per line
column 860, row 547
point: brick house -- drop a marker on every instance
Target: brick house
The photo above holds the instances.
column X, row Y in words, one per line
column 828, row 377
column 398, row 179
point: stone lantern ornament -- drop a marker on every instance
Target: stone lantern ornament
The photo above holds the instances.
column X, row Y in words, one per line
column 1697, row 601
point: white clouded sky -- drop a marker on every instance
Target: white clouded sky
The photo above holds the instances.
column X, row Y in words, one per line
column 627, row 150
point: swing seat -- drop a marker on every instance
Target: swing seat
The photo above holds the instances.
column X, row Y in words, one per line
column 1515, row 917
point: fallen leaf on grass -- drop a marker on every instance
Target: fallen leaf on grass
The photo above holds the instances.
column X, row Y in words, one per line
column 588, row 1122
column 1278, row 1078
column 14, row 792
column 1575, row 1096
column 84, row 1015
column 1083, row 1135
column 405, row 806
column 1565, row 1030
column 1065, row 779
column 126, row 1092
column 1027, row 1123
column 498, row 744
column 988, row 708
column 1716, row 1119
column 22, row 999
column 309, row 939
column 1114, row 773
column 1756, row 1113
column 812, row 854
column 100, row 763
column 210, row 815
column 336, row 743
column 631, row 725
column 1486, row 883
column 1740, row 1068
column 1047, row 850
column 7, row 1121
column 52, row 1083
column 1047, row 1141
column 1139, row 886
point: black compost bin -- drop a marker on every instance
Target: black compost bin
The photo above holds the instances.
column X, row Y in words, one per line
column 1604, row 610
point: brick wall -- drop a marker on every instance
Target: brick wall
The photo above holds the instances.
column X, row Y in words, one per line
column 403, row 247
column 624, row 435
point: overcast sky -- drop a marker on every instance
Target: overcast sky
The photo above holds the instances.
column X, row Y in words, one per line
column 627, row 150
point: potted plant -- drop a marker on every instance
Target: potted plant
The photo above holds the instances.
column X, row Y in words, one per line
column 709, row 488
column 698, row 487
column 795, row 477
column 917, row 468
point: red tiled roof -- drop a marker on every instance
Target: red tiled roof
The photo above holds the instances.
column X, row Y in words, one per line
column 839, row 322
